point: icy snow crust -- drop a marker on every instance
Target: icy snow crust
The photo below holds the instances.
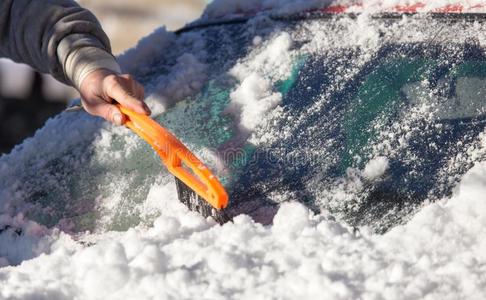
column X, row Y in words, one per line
column 89, row 213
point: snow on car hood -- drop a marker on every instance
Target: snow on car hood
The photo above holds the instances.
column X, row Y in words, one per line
column 82, row 249
column 438, row 254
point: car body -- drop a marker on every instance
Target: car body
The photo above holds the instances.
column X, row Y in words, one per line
column 366, row 116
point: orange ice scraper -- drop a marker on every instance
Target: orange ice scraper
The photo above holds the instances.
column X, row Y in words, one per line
column 196, row 186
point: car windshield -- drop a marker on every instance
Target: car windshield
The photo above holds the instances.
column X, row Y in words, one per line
column 366, row 120
column 366, row 133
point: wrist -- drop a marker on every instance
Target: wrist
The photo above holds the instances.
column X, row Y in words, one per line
column 83, row 61
column 95, row 77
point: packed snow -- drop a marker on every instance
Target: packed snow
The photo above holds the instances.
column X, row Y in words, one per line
column 115, row 228
column 437, row 254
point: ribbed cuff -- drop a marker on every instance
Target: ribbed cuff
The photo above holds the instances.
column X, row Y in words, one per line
column 85, row 60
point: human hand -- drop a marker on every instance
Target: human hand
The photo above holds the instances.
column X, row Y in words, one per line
column 101, row 88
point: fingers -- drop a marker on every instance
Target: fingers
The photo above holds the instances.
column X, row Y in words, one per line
column 126, row 91
column 99, row 107
column 136, row 87
column 102, row 86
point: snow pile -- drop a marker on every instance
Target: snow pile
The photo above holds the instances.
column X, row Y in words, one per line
column 438, row 254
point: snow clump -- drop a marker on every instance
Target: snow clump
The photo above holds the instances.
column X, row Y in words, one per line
column 254, row 97
column 376, row 167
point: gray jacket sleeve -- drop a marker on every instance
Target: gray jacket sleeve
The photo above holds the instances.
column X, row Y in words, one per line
column 54, row 36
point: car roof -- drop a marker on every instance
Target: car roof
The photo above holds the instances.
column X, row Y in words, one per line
column 417, row 7
column 379, row 9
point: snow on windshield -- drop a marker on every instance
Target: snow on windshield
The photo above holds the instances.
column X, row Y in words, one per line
column 88, row 212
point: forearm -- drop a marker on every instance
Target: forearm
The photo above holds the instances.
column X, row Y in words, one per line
column 55, row 36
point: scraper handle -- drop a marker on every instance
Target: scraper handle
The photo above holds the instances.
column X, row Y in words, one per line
column 179, row 160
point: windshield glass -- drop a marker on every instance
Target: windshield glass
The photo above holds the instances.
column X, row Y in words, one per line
column 387, row 138
column 365, row 118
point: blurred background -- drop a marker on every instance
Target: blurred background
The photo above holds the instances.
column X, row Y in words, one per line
column 28, row 99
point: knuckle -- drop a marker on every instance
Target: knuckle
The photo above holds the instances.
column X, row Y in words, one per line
column 128, row 77
column 111, row 81
column 128, row 95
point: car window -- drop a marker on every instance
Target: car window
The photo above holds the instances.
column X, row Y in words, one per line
column 415, row 104
column 366, row 124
